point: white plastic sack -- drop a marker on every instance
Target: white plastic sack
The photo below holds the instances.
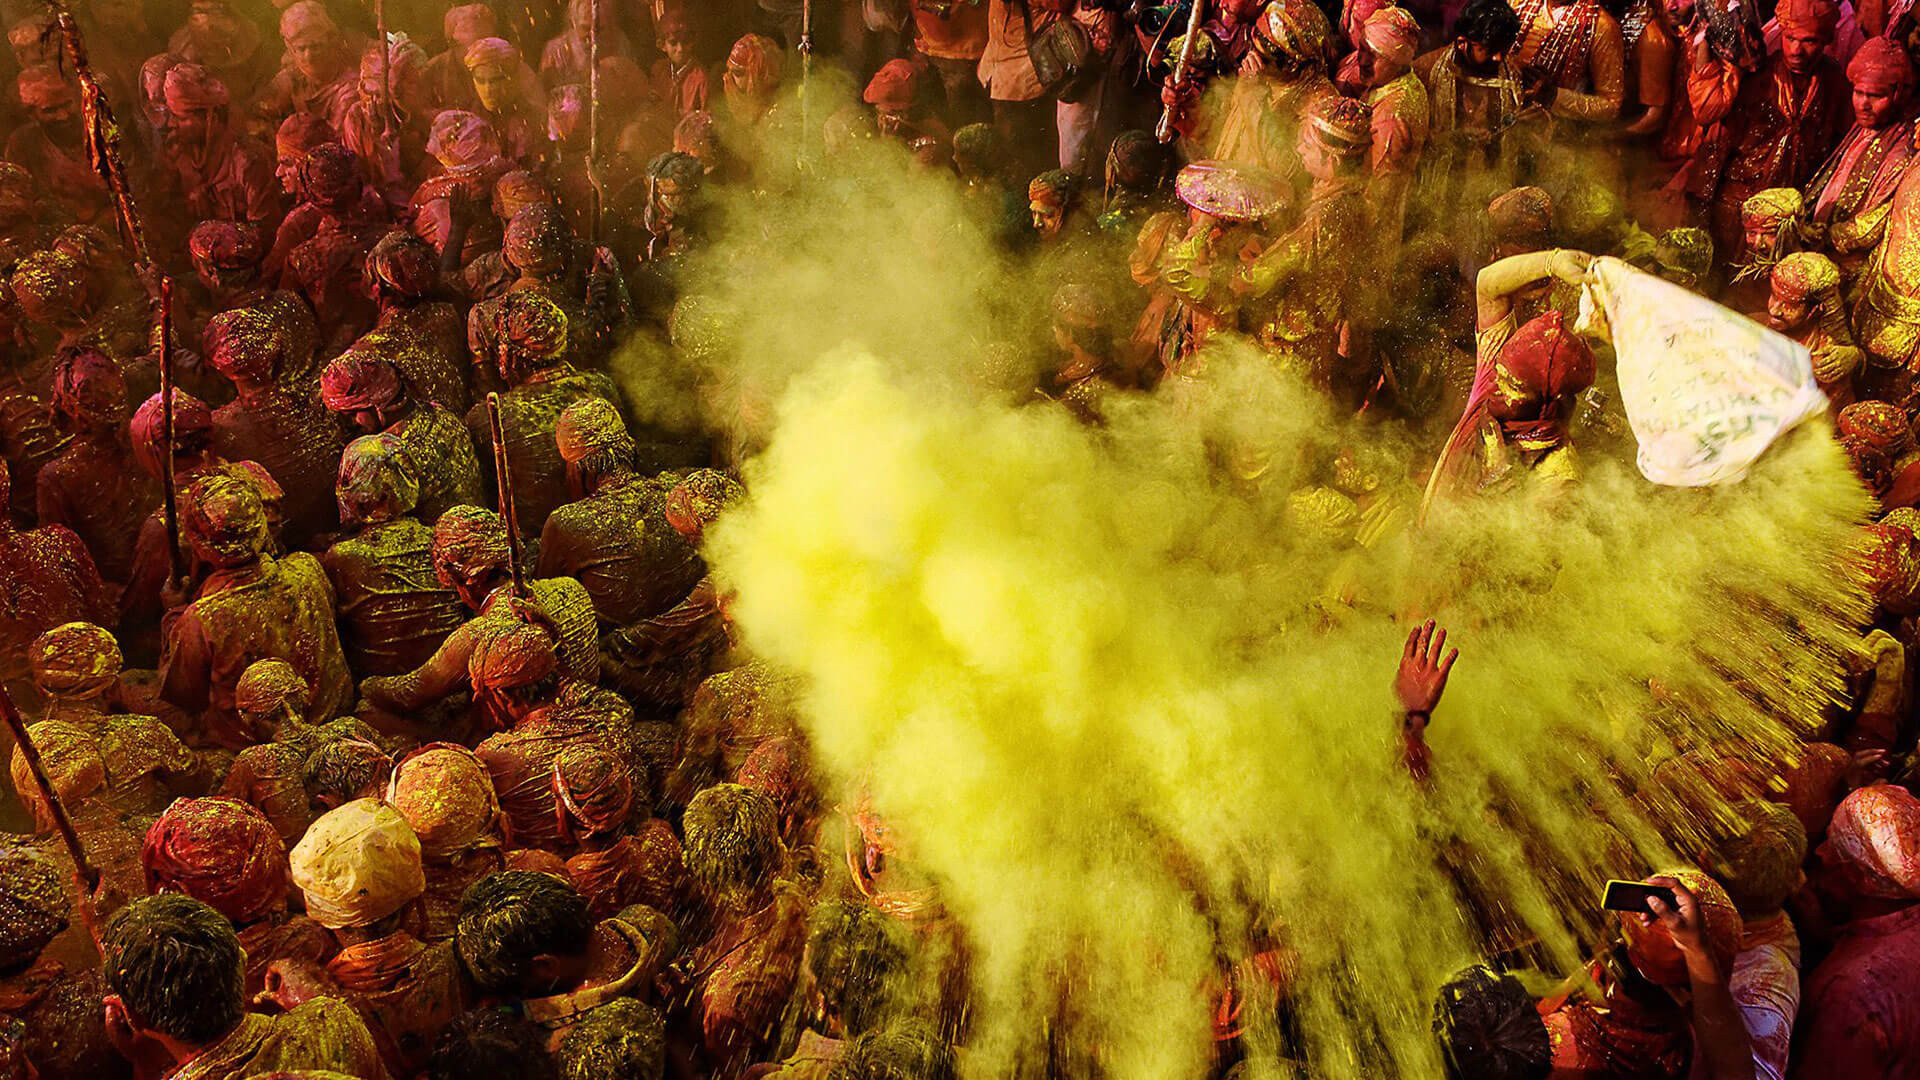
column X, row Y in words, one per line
column 1706, row 390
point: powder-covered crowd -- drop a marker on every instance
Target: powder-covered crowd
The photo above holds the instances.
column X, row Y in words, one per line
column 406, row 736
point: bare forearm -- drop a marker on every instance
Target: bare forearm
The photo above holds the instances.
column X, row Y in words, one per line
column 1719, row 1033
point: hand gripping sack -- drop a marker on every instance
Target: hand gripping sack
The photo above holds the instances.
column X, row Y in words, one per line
column 1706, row 390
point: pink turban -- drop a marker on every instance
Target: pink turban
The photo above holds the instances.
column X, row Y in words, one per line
column 300, row 133
column 1393, row 34
column 1875, row 838
column 593, row 791
column 461, row 139
column 190, row 87
column 492, row 52
column 44, row 86
column 1882, row 65
column 468, row 23
column 305, row 18
column 357, row 380
column 1817, row 17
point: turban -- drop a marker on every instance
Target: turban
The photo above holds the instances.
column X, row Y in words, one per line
column 1723, row 926
column 1587, row 208
column 222, row 852
column 777, row 769
column 536, row 239
column 1298, row 28
column 674, row 20
column 468, row 23
column 593, row 788
column 694, row 133
column 758, row 56
column 376, row 472
column 331, row 173
column 1772, row 208
column 468, row 537
column 1050, row 190
column 517, row 190
column 460, row 139
column 1321, row 514
column 16, row 185
column 267, row 686
column 1888, row 560
column 72, row 758
column 674, row 167
column 191, row 418
column 1814, row 785
column 190, row 87
column 1392, row 34
column 1341, row 126
column 533, row 323
column 224, row 519
column 357, row 864
column 1760, row 863
column 447, row 797
column 226, row 245
column 976, row 144
column 243, row 343
column 1521, row 216
column 31, row 32
column 404, row 264
column 588, row 427
column 33, row 904
column 1077, row 305
column 304, row 19
column 1804, row 276
column 1877, row 424
column 357, row 380
column 89, row 388
column 90, row 246
column 511, row 655
column 1135, row 159
column 46, row 282
column 1875, row 838
column 43, row 86
column 77, row 659
column 1817, row 17
column 1548, row 360
column 1881, row 65
column 894, row 87
column 697, row 501
column 492, row 52
column 1687, row 250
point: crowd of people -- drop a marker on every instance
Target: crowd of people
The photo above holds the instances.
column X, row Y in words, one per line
column 385, row 720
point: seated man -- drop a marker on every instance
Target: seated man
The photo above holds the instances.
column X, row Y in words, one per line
column 172, row 967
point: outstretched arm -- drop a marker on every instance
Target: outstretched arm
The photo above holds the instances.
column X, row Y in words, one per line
column 1494, row 288
column 1424, row 666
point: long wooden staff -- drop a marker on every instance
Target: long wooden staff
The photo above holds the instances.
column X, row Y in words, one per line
column 103, row 139
column 503, row 474
column 169, row 500
column 63, row 825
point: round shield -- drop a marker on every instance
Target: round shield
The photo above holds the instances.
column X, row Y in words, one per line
column 1230, row 190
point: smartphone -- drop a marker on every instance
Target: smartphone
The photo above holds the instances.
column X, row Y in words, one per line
column 1632, row 896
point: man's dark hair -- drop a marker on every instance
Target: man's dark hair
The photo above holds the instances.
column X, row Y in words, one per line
column 492, row 1043
column 855, row 956
column 178, row 966
column 1489, row 23
column 342, row 769
column 510, row 917
column 908, row 1052
column 1489, row 1028
column 621, row 1040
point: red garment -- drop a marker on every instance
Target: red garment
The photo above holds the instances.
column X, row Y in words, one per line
column 688, row 89
column 641, row 869
column 1860, row 1015
column 406, row 990
column 1777, row 130
column 295, row 938
column 46, row 578
column 521, row 764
